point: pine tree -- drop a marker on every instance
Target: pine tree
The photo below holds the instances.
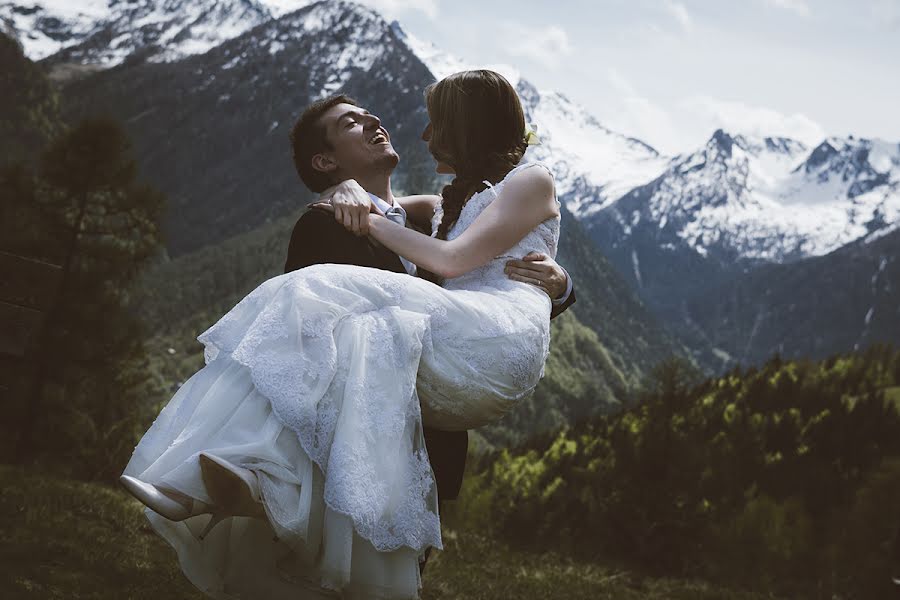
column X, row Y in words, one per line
column 28, row 106
column 102, row 226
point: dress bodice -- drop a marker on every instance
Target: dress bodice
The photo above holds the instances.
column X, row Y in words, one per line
column 543, row 238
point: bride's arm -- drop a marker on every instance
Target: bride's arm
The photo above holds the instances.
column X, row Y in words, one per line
column 419, row 208
column 526, row 200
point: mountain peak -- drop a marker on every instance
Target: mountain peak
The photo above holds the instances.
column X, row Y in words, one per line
column 398, row 30
column 721, row 142
column 783, row 145
column 820, row 155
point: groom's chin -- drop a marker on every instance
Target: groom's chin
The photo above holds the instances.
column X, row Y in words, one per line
column 389, row 160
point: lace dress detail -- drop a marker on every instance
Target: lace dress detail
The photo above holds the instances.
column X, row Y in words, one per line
column 514, row 300
column 342, row 365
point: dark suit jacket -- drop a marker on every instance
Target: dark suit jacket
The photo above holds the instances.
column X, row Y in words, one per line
column 318, row 238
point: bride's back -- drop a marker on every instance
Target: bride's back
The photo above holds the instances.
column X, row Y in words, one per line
column 543, row 238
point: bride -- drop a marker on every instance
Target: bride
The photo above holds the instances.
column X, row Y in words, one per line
column 293, row 463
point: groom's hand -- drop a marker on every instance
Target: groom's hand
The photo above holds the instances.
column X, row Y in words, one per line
column 351, row 204
column 540, row 270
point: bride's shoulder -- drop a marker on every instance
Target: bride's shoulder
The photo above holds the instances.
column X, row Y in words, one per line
column 536, row 184
column 532, row 185
column 526, row 167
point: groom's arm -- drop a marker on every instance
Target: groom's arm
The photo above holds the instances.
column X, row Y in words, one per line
column 562, row 304
column 536, row 268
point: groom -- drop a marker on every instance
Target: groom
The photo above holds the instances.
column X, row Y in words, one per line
column 334, row 140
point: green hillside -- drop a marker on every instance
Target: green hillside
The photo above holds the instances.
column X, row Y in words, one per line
column 782, row 479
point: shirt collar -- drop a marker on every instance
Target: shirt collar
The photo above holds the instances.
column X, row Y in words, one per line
column 381, row 204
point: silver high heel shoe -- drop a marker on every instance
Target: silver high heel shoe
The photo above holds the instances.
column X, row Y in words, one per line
column 233, row 489
column 168, row 504
column 174, row 508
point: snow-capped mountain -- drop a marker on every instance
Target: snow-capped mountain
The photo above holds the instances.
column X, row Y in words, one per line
column 592, row 164
column 211, row 130
column 107, row 32
column 863, row 172
column 682, row 229
column 740, row 203
column 750, row 196
column 47, row 26
column 769, row 199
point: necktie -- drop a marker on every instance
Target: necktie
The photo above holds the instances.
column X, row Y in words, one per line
column 398, row 215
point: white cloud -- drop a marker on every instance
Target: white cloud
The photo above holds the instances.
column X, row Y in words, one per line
column 799, row 7
column 546, row 46
column 738, row 117
column 887, row 13
column 394, row 8
column 390, row 9
column 680, row 13
column 684, row 125
column 636, row 115
column 619, row 83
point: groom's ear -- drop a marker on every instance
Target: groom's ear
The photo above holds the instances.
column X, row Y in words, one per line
column 324, row 163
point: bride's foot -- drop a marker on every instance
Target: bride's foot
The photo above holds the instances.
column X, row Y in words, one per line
column 171, row 505
column 233, row 489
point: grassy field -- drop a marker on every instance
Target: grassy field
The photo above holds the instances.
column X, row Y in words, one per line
column 68, row 539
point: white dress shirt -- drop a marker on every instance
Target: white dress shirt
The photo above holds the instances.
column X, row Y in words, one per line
column 397, row 214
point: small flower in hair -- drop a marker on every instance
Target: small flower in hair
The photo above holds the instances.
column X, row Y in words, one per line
column 531, row 137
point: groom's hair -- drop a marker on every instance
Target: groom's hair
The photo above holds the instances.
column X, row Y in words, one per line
column 308, row 138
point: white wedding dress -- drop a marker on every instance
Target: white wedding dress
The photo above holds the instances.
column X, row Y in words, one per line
column 319, row 381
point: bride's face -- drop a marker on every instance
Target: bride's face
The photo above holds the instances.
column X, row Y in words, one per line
column 441, row 167
column 359, row 142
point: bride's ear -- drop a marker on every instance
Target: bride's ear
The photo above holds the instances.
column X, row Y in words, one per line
column 324, row 163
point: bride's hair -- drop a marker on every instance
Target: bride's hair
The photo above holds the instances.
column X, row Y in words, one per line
column 478, row 128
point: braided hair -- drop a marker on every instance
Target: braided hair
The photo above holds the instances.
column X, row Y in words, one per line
column 478, row 130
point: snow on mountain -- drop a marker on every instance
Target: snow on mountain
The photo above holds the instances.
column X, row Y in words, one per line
column 744, row 193
column 108, row 31
column 48, row 26
column 857, row 181
column 356, row 38
column 772, row 199
column 278, row 8
column 593, row 165
column 761, row 198
column 440, row 63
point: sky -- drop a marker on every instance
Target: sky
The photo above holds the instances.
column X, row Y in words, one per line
column 670, row 72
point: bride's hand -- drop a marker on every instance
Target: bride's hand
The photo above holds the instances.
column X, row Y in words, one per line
column 351, row 205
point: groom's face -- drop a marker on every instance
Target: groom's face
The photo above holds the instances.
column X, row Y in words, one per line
column 360, row 145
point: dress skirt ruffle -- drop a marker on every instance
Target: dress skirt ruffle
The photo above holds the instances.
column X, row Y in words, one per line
column 311, row 382
column 306, row 549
